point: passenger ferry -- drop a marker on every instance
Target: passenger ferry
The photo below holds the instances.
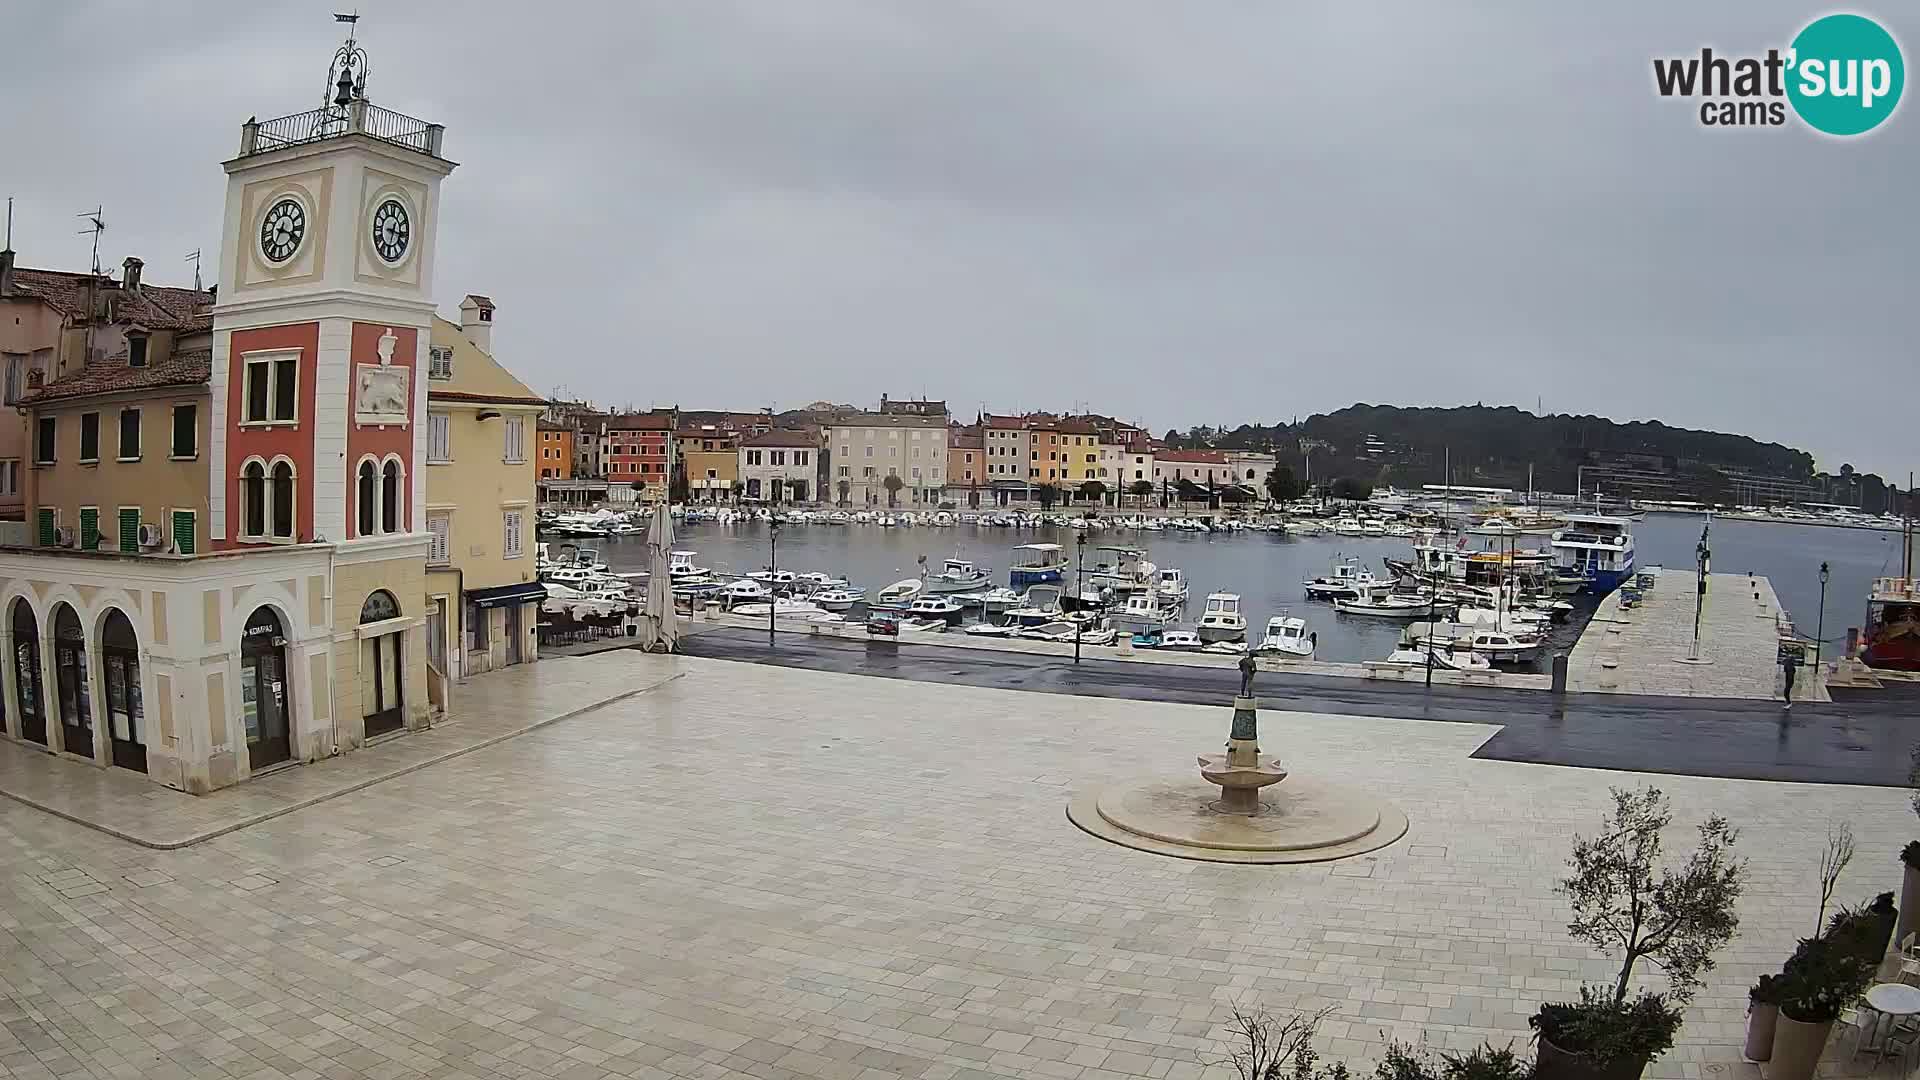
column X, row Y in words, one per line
column 1598, row 546
column 1037, row 564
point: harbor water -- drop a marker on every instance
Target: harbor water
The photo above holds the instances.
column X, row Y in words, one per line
column 1267, row 569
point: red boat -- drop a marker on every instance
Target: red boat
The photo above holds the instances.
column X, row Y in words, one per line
column 1891, row 638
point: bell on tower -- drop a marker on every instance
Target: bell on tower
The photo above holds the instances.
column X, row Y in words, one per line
column 347, row 75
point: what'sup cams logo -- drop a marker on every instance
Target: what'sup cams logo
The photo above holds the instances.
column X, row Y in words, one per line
column 1842, row 75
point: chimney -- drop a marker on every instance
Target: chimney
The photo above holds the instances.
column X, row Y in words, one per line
column 6, row 271
column 130, row 278
column 476, row 322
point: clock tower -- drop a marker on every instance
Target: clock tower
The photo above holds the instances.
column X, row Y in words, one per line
column 320, row 333
column 317, row 432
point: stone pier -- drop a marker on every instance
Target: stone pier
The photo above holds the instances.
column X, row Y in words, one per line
column 1639, row 650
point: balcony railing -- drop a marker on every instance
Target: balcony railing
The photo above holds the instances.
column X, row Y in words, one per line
column 332, row 122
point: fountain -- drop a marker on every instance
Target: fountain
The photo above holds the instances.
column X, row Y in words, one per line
column 1249, row 816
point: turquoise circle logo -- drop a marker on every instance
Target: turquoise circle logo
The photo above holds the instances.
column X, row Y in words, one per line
column 1847, row 74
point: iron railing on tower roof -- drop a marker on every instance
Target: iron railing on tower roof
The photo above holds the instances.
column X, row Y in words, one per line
column 332, row 122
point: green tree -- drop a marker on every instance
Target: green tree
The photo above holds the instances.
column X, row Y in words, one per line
column 893, row 484
column 1048, row 494
column 1093, row 490
column 1347, row 487
column 846, row 486
column 1281, row 484
column 1140, row 489
column 1627, row 903
column 739, row 489
column 677, row 488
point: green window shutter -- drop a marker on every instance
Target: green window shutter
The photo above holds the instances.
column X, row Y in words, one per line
column 89, row 529
column 183, row 531
column 130, row 529
column 46, row 528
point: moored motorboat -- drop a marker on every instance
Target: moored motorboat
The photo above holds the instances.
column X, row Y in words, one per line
column 935, row 607
column 898, row 595
column 1222, row 619
column 1346, row 581
column 958, row 576
column 1287, row 636
column 1381, row 601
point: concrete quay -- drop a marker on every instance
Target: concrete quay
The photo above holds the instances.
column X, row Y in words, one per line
column 1644, row 650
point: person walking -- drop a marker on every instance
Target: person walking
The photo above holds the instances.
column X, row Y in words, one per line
column 1789, row 666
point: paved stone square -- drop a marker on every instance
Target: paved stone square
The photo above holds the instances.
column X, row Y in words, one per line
column 755, row 871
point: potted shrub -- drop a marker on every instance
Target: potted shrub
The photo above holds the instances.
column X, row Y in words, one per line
column 1909, row 889
column 1822, row 976
column 1626, row 902
column 1887, row 916
column 1763, row 1008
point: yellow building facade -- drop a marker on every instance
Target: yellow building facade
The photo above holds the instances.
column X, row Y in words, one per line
column 481, row 583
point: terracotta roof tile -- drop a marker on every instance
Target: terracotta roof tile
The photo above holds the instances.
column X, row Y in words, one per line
column 156, row 307
column 193, row 368
column 782, row 437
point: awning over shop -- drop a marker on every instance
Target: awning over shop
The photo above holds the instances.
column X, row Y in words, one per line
column 524, row 593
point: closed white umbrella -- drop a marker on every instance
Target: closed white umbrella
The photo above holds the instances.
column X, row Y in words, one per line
column 659, row 581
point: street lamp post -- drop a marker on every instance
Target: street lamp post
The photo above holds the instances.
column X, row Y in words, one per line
column 1820, row 634
column 1079, row 587
column 1701, row 555
column 773, row 598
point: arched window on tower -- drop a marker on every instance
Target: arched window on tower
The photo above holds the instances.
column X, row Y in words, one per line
column 253, row 499
column 367, row 485
column 390, row 498
column 283, row 500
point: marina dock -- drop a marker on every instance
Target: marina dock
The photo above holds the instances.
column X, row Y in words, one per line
column 1641, row 650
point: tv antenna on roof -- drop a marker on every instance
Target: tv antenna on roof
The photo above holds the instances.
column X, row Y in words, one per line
column 194, row 258
column 96, row 224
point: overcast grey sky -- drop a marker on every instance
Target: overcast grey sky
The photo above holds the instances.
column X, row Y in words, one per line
column 1180, row 213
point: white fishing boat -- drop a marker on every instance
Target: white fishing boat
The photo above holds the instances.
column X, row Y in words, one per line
column 744, row 591
column 1041, row 604
column 1222, row 620
column 1142, row 613
column 785, row 609
column 1226, row 648
column 999, row 601
column 1498, row 646
column 935, row 607
column 1173, row 585
column 840, row 599
column 1180, row 640
column 1036, row 564
column 775, row 578
column 1442, row 659
column 680, row 566
column 1380, row 601
column 1513, row 620
column 899, row 594
column 998, row 630
column 1287, row 636
column 1122, row 569
column 958, row 576
column 1346, row 581
column 1065, row 630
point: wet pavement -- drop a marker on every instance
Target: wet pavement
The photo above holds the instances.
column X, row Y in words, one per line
column 1858, row 741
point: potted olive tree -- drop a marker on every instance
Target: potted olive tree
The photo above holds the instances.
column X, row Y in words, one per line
column 1628, row 903
column 1822, row 976
column 1763, row 1010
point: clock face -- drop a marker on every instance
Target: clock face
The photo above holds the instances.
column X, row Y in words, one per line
column 391, row 231
column 282, row 230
